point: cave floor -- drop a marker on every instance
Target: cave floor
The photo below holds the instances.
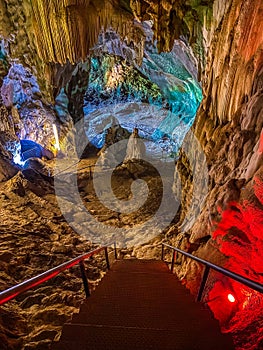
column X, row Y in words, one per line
column 35, row 237
column 108, row 196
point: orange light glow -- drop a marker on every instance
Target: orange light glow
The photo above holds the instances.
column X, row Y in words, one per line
column 231, row 298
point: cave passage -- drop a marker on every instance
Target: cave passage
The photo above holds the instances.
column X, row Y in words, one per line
column 160, row 97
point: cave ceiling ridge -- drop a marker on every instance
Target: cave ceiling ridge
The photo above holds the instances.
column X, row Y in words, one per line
column 68, row 30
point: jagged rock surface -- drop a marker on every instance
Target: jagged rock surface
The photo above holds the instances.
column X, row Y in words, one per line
column 229, row 128
column 35, row 238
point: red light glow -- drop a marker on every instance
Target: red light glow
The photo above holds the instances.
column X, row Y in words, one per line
column 231, row 298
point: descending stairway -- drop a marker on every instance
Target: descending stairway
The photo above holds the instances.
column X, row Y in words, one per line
column 140, row 305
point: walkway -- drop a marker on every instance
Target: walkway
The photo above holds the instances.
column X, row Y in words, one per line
column 140, row 305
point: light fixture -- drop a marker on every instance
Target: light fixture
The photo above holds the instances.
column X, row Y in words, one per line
column 231, row 298
column 55, row 130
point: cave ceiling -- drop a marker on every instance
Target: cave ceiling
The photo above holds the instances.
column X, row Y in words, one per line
column 52, row 37
column 67, row 30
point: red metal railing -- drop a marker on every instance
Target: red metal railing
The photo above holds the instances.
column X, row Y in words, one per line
column 14, row 291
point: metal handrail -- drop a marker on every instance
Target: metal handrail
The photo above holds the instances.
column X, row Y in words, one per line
column 16, row 290
column 208, row 265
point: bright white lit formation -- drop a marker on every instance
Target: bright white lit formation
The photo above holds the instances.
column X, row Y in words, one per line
column 17, row 159
column 55, row 131
column 17, row 155
column 231, row 298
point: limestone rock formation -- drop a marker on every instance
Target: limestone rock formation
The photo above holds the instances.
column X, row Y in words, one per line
column 49, row 54
column 229, row 128
column 113, row 81
column 229, row 121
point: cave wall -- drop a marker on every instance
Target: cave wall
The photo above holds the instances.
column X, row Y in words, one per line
column 35, row 92
column 54, row 41
column 229, row 121
column 17, row 36
column 229, row 128
column 42, row 35
column 71, row 28
column 25, row 114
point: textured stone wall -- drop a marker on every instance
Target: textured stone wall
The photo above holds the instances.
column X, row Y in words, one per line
column 229, row 128
column 66, row 30
column 229, row 120
column 174, row 19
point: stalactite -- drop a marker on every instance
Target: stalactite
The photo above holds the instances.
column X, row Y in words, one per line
column 68, row 29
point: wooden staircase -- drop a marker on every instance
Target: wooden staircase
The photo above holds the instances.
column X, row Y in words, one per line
column 140, row 305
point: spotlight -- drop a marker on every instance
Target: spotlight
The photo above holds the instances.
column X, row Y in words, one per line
column 231, row 298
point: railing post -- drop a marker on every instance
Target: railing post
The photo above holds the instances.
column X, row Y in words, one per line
column 162, row 252
column 173, row 260
column 84, row 278
column 203, row 283
column 115, row 251
column 107, row 258
column 90, row 171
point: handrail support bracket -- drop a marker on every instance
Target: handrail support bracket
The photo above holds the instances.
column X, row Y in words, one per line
column 107, row 258
column 203, row 283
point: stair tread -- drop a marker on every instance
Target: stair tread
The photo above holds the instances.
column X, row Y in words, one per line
column 141, row 305
column 109, row 337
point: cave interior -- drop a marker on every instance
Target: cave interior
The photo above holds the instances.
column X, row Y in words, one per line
column 78, row 80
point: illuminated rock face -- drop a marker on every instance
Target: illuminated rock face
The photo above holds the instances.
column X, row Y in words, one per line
column 27, row 115
column 78, row 24
column 64, row 31
column 229, row 121
column 163, row 91
column 229, row 128
column 112, row 81
column 238, row 236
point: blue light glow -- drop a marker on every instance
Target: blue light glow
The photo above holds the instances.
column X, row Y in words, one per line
column 15, row 149
column 119, row 89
